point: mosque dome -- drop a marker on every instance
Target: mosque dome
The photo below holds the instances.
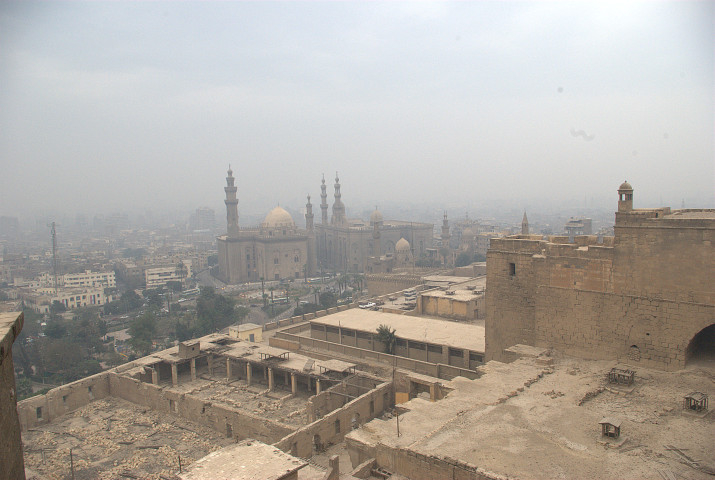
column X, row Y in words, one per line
column 467, row 232
column 278, row 218
column 625, row 186
column 375, row 217
column 402, row 245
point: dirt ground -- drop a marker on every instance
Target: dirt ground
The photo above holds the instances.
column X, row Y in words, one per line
column 112, row 438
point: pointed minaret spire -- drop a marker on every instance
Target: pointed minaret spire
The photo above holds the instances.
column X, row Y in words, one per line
column 524, row 225
column 231, row 205
column 323, row 203
column 309, row 215
column 338, row 207
column 445, row 231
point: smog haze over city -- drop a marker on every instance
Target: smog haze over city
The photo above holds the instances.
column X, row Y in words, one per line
column 131, row 107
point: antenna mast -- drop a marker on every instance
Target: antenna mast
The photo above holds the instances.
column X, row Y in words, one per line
column 54, row 254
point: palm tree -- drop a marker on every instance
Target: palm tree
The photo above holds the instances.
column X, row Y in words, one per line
column 386, row 335
column 182, row 271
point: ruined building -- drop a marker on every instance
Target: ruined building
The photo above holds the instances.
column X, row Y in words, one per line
column 646, row 295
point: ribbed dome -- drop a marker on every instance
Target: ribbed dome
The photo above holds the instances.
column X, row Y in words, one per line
column 467, row 232
column 375, row 217
column 402, row 245
column 625, row 186
column 278, row 217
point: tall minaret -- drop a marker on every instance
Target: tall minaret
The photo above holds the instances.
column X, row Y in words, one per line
column 445, row 231
column 309, row 215
column 311, row 265
column 524, row 225
column 323, row 203
column 231, row 205
column 338, row 207
column 376, row 226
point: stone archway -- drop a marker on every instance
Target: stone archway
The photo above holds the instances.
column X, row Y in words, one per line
column 702, row 346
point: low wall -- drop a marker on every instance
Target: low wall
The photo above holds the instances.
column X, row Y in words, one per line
column 72, row 396
column 284, row 344
column 61, row 400
column 437, row 370
column 415, row 465
column 335, row 425
column 383, row 284
column 219, row 417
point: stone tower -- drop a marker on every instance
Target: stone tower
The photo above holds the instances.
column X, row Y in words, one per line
column 445, row 231
column 309, row 215
column 312, row 260
column 231, row 205
column 323, row 203
column 376, row 220
column 524, row 225
column 625, row 197
column 338, row 207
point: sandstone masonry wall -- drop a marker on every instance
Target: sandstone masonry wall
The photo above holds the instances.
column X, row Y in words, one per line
column 641, row 296
column 12, row 465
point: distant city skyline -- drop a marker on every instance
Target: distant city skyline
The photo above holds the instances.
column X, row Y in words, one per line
column 127, row 107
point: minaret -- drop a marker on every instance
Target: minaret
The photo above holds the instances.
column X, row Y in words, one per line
column 323, row 203
column 309, row 215
column 524, row 225
column 338, row 207
column 445, row 231
column 311, row 262
column 376, row 226
column 231, row 205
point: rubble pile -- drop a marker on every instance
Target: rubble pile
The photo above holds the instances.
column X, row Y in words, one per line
column 111, row 439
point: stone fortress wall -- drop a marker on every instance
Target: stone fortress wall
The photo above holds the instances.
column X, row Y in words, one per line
column 641, row 296
column 11, row 459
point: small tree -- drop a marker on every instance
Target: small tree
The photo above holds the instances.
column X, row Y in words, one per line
column 386, row 335
column 327, row 299
column 142, row 330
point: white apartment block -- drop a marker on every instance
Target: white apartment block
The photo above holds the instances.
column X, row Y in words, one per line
column 159, row 276
column 81, row 280
column 90, row 279
column 41, row 299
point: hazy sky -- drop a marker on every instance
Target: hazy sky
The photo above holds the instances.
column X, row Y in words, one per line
column 132, row 105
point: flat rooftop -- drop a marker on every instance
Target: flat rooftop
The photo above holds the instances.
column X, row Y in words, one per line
column 529, row 420
column 457, row 335
column 704, row 214
column 446, row 280
column 247, row 460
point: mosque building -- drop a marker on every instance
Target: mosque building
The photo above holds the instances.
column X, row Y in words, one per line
column 348, row 244
column 278, row 249
column 275, row 250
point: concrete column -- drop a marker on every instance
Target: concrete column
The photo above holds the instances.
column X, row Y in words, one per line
column 317, row 386
column 270, row 379
column 155, row 376
column 293, row 383
column 248, row 373
column 174, row 375
column 228, row 368
column 193, row 369
column 433, row 393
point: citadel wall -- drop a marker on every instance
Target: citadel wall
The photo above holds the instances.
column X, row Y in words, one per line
column 638, row 297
